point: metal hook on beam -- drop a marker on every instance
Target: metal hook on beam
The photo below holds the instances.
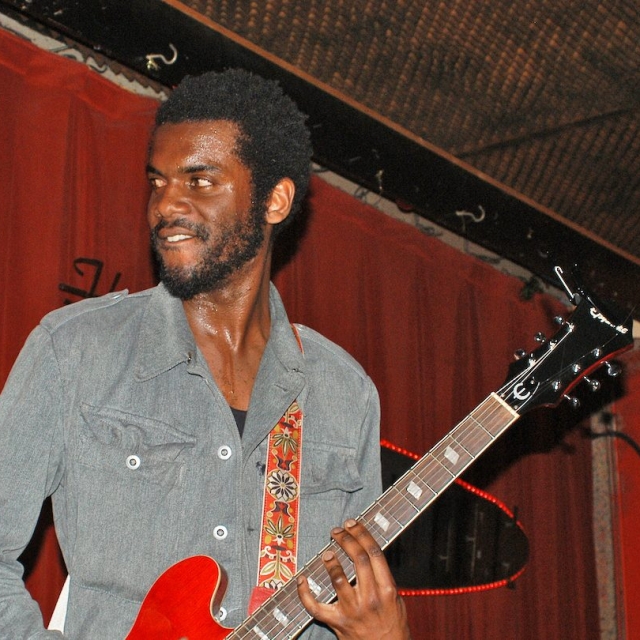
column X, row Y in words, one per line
column 154, row 58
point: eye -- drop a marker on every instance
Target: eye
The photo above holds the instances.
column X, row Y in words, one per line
column 155, row 182
column 200, row 182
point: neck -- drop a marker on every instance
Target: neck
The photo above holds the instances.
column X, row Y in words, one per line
column 239, row 307
column 231, row 326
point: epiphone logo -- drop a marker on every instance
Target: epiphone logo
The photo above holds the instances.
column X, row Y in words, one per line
column 598, row 316
column 520, row 392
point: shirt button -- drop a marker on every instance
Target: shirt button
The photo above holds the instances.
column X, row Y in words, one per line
column 222, row 614
column 220, row 532
column 133, row 462
column 224, row 452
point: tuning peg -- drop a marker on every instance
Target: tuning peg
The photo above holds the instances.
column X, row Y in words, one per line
column 613, row 369
column 519, row 354
column 594, row 385
column 573, row 401
column 540, row 337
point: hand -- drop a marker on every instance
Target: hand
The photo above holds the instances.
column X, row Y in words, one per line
column 371, row 608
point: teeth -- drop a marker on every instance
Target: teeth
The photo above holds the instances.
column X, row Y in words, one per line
column 178, row 238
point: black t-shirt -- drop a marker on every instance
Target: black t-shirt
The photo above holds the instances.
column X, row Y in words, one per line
column 240, row 417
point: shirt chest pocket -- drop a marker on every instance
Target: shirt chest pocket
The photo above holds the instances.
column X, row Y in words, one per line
column 329, row 476
column 133, row 447
column 329, row 469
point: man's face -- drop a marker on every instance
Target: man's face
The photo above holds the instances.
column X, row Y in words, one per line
column 204, row 226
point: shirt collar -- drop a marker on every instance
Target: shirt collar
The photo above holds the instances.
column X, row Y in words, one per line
column 165, row 339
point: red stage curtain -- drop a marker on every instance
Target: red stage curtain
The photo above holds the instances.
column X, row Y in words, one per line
column 73, row 185
column 436, row 329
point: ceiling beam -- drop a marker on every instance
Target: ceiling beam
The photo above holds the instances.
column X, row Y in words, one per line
column 349, row 139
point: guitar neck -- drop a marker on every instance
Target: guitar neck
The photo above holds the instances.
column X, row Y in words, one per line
column 282, row 617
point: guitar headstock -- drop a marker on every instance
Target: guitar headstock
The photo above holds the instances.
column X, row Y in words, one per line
column 592, row 335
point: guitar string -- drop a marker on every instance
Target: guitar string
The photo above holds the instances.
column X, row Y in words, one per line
column 433, row 474
column 483, row 415
column 467, row 425
column 264, row 619
column 474, row 434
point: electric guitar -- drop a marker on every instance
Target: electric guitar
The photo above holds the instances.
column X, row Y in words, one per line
column 181, row 603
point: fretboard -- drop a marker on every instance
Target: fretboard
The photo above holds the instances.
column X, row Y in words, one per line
column 282, row 617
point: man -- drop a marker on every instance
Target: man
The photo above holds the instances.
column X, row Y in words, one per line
column 146, row 416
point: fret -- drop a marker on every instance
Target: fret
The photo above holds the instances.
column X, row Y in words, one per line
column 316, row 589
column 280, row 617
column 473, row 436
column 500, row 415
column 452, row 456
column 406, row 498
column 259, row 633
column 318, row 579
column 286, row 617
column 382, row 524
column 285, row 608
column 415, row 490
column 434, row 474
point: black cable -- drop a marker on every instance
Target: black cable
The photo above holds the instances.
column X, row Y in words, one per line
column 616, row 434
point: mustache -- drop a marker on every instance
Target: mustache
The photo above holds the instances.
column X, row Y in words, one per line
column 198, row 230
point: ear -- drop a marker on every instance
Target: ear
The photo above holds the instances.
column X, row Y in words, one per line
column 280, row 200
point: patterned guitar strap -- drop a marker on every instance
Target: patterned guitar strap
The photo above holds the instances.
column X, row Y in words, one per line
column 278, row 553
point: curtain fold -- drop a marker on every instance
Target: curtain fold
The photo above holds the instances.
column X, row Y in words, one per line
column 73, row 185
column 435, row 329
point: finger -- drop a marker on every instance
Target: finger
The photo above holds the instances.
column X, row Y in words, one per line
column 357, row 553
column 330, row 614
column 336, row 573
column 365, row 552
column 306, row 596
column 334, row 568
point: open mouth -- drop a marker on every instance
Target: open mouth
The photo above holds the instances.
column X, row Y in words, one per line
column 173, row 234
column 179, row 237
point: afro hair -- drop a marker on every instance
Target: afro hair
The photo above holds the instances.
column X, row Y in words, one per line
column 274, row 141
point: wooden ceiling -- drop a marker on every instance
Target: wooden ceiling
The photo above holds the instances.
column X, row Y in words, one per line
column 525, row 114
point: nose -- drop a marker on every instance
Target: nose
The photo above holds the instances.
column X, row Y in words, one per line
column 167, row 202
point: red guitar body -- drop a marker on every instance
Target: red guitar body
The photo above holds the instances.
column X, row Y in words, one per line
column 180, row 603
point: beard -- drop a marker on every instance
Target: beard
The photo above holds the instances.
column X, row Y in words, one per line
column 238, row 244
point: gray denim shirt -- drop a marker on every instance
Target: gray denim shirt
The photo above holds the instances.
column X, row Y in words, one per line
column 112, row 411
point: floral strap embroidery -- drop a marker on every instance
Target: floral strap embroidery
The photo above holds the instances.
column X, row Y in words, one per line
column 281, row 504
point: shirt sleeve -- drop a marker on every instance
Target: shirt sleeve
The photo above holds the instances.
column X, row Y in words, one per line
column 30, row 469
